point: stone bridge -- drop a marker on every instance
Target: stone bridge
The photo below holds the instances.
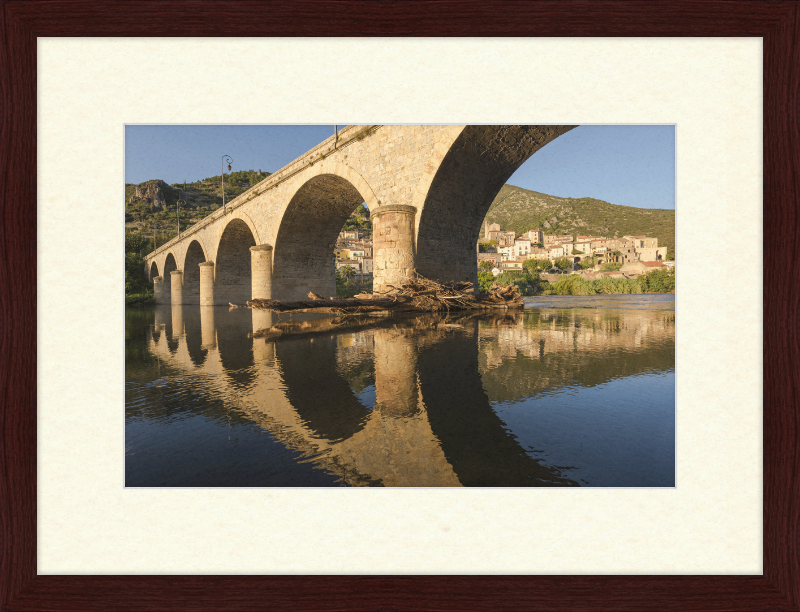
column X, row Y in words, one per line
column 427, row 187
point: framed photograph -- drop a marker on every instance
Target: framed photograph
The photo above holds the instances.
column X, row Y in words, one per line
column 76, row 539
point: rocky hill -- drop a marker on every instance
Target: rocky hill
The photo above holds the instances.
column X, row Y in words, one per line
column 151, row 206
column 518, row 209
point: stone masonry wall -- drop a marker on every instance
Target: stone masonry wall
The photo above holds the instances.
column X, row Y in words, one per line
column 448, row 173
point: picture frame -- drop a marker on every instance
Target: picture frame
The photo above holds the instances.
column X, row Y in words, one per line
column 779, row 25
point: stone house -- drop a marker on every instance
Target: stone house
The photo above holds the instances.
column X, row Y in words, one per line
column 491, row 227
column 522, row 246
column 651, row 254
column 551, row 239
column 506, row 238
column 366, row 265
column 341, row 263
column 537, row 253
column 493, row 257
column 584, row 245
column 507, row 252
column 511, row 265
column 535, row 236
column 635, row 268
column 643, row 242
column 350, row 235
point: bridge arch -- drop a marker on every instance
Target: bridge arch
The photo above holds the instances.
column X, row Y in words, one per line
column 170, row 265
column 153, row 271
column 303, row 258
column 196, row 254
column 233, row 274
column 462, row 186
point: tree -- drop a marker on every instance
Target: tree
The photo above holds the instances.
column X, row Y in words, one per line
column 346, row 272
column 563, row 263
column 587, row 263
column 484, row 245
column 486, row 265
column 534, row 265
column 485, row 280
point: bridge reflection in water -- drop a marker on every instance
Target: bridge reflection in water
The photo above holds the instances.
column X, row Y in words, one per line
column 394, row 401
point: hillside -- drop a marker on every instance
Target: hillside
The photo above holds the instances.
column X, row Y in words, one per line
column 518, row 209
column 151, row 206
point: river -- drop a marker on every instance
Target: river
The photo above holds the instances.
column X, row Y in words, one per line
column 572, row 391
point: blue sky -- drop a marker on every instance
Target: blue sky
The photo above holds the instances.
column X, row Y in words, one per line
column 632, row 165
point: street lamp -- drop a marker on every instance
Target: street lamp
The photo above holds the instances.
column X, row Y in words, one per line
column 222, row 166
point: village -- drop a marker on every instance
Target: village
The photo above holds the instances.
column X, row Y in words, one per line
column 591, row 256
column 502, row 251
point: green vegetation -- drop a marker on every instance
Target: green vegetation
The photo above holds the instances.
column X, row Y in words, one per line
column 359, row 221
column 484, row 245
column 611, row 267
column 657, row 281
column 348, row 284
column 536, row 265
column 485, row 280
column 137, row 288
column 563, row 263
column 528, row 283
column 486, row 265
column 155, row 209
column 520, row 209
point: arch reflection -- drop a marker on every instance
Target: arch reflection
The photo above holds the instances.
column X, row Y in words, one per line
column 402, row 401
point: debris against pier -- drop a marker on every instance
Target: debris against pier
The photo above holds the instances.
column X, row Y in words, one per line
column 418, row 294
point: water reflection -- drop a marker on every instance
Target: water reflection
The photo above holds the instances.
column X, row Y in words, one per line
column 251, row 398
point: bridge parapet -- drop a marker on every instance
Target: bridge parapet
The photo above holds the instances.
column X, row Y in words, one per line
column 346, row 136
column 427, row 187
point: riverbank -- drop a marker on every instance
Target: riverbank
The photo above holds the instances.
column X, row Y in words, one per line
column 140, row 299
column 657, row 281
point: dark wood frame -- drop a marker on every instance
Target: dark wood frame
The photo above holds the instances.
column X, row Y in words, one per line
column 778, row 22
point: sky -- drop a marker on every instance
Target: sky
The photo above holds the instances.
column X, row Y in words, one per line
column 631, row 165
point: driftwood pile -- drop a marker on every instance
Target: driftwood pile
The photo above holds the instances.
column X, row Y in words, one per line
column 419, row 294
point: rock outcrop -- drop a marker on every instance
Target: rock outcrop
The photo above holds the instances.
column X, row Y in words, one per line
column 151, row 192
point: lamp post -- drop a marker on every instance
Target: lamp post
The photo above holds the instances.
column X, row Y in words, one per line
column 222, row 177
column 178, row 214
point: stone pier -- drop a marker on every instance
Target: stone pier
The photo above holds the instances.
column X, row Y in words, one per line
column 261, row 261
column 393, row 244
column 176, row 286
column 207, row 283
column 160, row 291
